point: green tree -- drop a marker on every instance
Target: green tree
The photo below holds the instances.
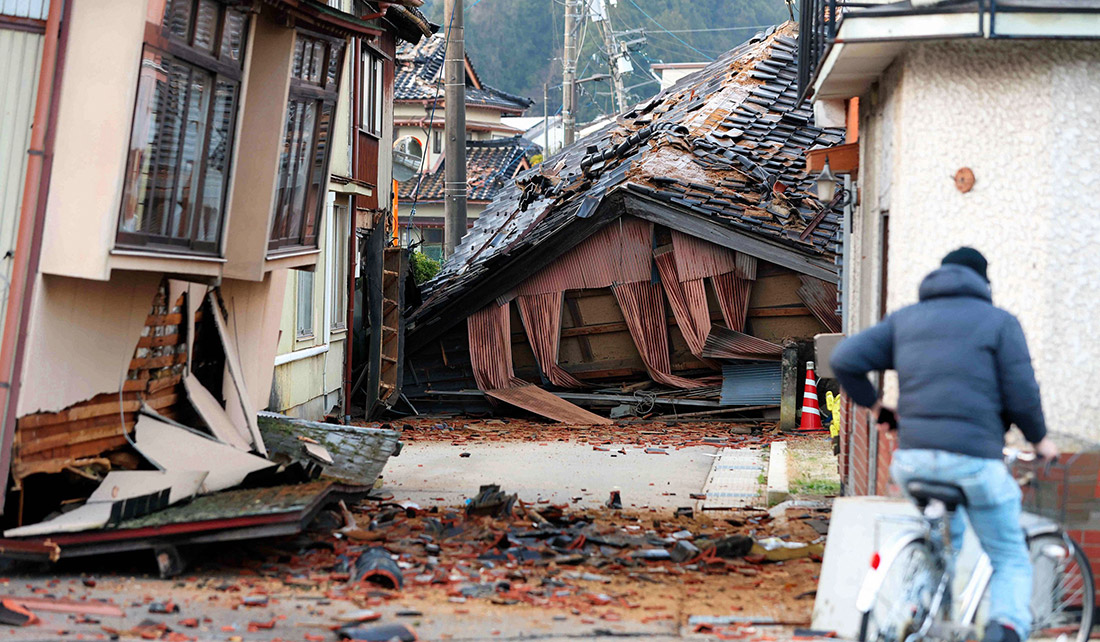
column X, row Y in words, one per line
column 423, row 267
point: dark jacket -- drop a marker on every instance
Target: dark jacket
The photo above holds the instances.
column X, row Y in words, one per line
column 963, row 367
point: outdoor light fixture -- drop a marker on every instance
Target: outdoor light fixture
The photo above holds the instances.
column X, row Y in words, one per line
column 826, row 183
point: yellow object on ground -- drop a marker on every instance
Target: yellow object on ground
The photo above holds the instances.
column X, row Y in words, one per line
column 832, row 402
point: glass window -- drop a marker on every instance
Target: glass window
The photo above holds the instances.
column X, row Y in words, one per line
column 182, row 133
column 305, row 304
column 339, row 254
column 371, row 100
column 437, row 142
column 303, row 162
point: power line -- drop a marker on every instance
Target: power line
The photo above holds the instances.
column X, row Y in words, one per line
column 748, row 27
column 654, row 21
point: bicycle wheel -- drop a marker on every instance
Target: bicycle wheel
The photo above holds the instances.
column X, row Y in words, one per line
column 904, row 600
column 1063, row 598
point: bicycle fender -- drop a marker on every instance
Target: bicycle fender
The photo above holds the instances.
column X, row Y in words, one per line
column 872, row 582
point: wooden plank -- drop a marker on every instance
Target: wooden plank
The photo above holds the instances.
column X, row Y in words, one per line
column 157, row 342
column 164, row 319
column 798, row 311
column 25, row 437
column 161, row 383
column 135, row 385
column 71, row 438
column 152, row 363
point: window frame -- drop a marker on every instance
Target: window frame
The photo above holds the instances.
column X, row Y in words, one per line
column 339, row 253
column 304, row 333
column 372, row 92
column 324, row 95
column 160, row 40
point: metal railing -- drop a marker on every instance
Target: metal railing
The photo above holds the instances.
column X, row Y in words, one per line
column 818, row 21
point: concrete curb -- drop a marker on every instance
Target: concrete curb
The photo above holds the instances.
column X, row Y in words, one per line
column 778, row 484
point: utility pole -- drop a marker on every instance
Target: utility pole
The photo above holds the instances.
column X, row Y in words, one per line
column 545, row 121
column 613, row 55
column 569, row 73
column 454, row 174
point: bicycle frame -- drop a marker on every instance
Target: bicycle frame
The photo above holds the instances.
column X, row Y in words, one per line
column 970, row 598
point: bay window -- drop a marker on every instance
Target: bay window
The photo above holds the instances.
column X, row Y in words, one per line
column 303, row 161
column 181, row 139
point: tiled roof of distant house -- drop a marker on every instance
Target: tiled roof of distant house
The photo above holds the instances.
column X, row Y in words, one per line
column 490, row 166
column 419, row 78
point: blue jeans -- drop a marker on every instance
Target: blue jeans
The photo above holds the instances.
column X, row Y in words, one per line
column 993, row 510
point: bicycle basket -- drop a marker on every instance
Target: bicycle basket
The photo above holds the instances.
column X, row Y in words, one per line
column 1064, row 490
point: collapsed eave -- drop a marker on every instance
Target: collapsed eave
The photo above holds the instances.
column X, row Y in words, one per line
column 869, row 40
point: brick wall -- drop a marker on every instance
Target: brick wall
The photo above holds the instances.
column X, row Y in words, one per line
column 854, row 448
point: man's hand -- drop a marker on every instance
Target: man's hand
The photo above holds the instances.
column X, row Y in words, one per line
column 1047, row 449
column 886, row 417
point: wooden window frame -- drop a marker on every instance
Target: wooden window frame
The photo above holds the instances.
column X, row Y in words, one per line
column 324, row 96
column 219, row 70
column 373, row 88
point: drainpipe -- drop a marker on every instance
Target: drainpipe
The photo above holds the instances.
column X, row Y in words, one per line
column 32, row 215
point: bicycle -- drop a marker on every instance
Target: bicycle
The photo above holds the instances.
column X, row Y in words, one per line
column 907, row 596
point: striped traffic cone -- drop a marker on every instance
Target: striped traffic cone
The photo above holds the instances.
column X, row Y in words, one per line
column 811, row 414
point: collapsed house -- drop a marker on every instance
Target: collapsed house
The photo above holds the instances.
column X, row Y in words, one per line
column 680, row 246
column 186, row 170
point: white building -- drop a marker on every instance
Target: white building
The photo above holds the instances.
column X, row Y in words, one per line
column 980, row 136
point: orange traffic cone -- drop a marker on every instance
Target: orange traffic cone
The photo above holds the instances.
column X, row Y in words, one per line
column 811, row 413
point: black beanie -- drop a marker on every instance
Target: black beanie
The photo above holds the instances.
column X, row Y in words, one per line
column 969, row 257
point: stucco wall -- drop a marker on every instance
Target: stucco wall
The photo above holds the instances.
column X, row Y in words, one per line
column 1025, row 117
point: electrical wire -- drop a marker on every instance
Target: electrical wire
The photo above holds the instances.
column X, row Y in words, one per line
column 654, row 21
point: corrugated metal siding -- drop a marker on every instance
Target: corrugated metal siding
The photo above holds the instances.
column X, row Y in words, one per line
column 751, row 384
column 37, row 9
column 20, row 53
column 622, row 252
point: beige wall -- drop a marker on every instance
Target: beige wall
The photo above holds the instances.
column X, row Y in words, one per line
column 95, row 116
column 1025, row 117
column 103, row 56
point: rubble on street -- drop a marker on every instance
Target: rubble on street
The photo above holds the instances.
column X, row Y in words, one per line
column 397, row 565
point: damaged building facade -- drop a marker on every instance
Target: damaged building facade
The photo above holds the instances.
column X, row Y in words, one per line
column 680, row 246
column 178, row 173
column 328, row 332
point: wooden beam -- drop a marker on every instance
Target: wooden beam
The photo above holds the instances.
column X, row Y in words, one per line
column 797, row 311
column 578, row 322
column 675, row 218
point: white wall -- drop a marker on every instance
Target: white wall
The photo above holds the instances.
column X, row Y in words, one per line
column 1025, row 117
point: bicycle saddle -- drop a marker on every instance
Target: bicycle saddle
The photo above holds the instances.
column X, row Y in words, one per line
column 924, row 491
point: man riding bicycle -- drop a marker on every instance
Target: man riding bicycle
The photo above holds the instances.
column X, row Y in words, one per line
column 964, row 376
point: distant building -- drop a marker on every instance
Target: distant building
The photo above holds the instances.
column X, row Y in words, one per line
column 419, row 112
column 536, row 130
column 670, row 72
